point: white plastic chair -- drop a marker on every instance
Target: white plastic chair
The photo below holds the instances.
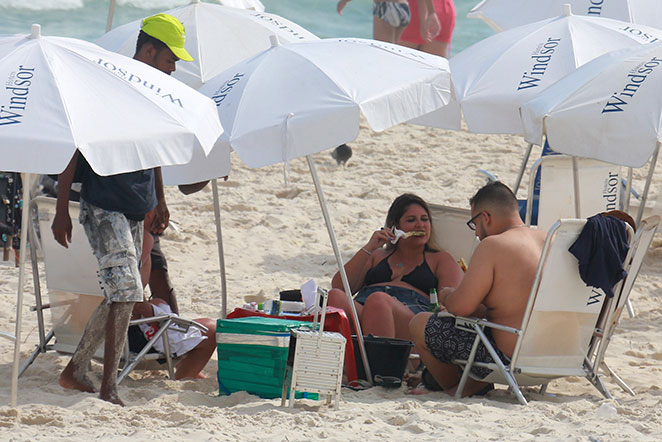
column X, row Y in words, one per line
column 557, row 327
column 599, row 189
column 614, row 306
column 451, row 232
column 74, row 290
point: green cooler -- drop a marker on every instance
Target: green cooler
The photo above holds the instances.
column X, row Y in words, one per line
column 252, row 354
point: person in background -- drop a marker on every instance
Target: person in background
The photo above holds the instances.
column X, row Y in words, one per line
column 390, row 18
column 431, row 27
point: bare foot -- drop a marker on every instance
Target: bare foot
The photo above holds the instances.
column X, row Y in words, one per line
column 418, row 391
column 68, row 380
column 112, row 397
column 200, row 375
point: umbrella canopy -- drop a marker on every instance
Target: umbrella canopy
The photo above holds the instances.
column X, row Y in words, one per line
column 300, row 98
column 255, row 5
column 63, row 94
column 216, row 36
column 609, row 109
column 507, row 14
column 494, row 77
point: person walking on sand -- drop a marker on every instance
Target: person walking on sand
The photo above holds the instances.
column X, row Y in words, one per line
column 112, row 209
column 496, row 285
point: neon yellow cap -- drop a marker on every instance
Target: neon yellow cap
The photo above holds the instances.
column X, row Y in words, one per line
column 169, row 30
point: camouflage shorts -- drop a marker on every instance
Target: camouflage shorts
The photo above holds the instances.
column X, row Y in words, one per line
column 117, row 244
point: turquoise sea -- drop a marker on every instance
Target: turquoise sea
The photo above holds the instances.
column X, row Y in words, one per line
column 86, row 19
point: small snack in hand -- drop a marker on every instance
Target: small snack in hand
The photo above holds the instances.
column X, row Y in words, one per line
column 463, row 265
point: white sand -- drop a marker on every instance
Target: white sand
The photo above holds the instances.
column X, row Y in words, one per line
column 275, row 239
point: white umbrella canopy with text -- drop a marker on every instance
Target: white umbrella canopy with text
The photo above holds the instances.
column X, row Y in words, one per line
column 609, row 109
column 63, row 94
column 502, row 15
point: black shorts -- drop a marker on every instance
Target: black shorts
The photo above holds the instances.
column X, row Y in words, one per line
column 447, row 343
column 158, row 258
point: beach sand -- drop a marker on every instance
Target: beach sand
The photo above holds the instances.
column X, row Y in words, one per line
column 275, row 239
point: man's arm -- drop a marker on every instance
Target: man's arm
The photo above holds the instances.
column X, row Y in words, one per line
column 61, row 226
column 476, row 285
column 161, row 215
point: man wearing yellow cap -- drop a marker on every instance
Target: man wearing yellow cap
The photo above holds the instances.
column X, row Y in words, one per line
column 112, row 211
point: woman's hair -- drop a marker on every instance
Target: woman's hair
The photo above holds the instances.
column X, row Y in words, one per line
column 398, row 209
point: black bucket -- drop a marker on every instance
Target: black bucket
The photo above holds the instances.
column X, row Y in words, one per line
column 386, row 356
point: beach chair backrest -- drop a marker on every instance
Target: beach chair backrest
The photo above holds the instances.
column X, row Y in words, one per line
column 562, row 311
column 451, row 231
column 599, row 188
column 71, row 276
column 642, row 241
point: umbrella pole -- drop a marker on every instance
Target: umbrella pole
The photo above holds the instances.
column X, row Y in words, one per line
column 525, row 161
column 111, row 13
column 25, row 219
column 221, row 255
column 644, row 195
column 341, row 267
column 575, row 185
column 625, row 205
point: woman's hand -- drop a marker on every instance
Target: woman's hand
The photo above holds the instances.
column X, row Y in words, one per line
column 341, row 5
column 378, row 239
column 430, row 26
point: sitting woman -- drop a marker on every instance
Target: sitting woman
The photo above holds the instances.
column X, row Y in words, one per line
column 394, row 278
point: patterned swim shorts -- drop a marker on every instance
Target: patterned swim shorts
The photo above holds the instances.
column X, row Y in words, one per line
column 117, row 244
column 394, row 13
column 447, row 343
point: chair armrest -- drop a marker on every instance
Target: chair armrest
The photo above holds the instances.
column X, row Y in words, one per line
column 184, row 323
column 480, row 322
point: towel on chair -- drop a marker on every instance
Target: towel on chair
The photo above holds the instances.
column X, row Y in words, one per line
column 601, row 249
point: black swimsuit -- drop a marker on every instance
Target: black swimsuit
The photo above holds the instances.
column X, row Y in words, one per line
column 421, row 277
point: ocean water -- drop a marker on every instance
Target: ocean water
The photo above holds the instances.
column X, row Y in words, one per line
column 86, row 19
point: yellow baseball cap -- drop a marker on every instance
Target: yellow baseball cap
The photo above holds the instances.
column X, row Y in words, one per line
column 169, row 30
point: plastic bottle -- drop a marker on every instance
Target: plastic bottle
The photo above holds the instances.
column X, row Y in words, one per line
column 434, row 301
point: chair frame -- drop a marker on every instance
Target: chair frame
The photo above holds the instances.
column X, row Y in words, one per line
column 131, row 360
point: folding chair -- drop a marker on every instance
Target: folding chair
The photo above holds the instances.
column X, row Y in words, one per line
column 75, row 290
column 557, row 327
column 599, row 189
column 451, row 232
column 614, row 306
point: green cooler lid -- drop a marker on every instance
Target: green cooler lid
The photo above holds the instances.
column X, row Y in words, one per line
column 258, row 325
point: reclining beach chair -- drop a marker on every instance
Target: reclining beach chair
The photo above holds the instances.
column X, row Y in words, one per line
column 599, row 189
column 558, row 324
column 451, row 232
column 614, row 306
column 75, row 291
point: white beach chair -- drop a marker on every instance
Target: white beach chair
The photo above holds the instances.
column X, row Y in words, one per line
column 614, row 307
column 451, row 232
column 557, row 327
column 599, row 189
column 74, row 289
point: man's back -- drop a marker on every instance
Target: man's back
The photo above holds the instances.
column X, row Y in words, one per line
column 513, row 256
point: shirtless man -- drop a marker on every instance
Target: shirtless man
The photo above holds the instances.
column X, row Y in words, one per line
column 496, row 285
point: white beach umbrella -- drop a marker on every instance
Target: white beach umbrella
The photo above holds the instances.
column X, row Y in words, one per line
column 297, row 99
column 62, row 94
column 301, row 98
column 609, row 109
column 507, row 14
column 255, row 5
column 495, row 76
column 217, row 37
